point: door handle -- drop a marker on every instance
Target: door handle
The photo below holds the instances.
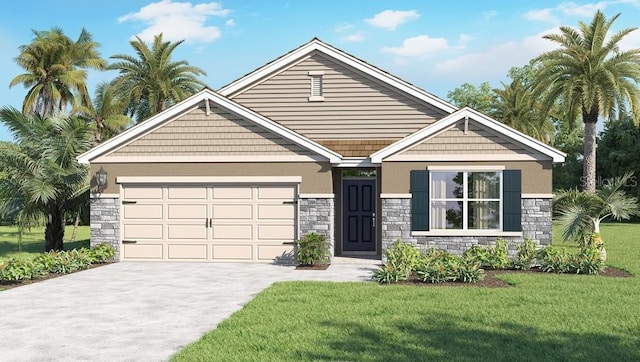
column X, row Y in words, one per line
column 373, row 220
column 210, row 222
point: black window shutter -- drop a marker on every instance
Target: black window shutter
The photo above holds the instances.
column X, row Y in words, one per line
column 419, row 200
column 511, row 200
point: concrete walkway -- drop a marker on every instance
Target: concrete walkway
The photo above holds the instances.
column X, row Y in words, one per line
column 138, row 311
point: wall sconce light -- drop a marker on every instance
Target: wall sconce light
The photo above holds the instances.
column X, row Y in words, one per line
column 101, row 178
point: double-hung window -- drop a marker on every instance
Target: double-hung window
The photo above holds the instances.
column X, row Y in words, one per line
column 476, row 199
column 465, row 200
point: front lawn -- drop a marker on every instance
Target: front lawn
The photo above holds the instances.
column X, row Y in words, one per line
column 33, row 241
column 540, row 317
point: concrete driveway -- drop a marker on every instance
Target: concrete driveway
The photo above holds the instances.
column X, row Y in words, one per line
column 136, row 311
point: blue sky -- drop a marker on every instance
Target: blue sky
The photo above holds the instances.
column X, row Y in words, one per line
column 434, row 45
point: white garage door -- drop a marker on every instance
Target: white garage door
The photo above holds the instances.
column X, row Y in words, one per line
column 209, row 222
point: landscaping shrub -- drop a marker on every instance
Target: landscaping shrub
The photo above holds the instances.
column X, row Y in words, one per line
column 525, row 255
column 442, row 266
column 477, row 254
column 101, row 253
column 313, row 249
column 497, row 257
column 58, row 262
column 554, row 260
column 390, row 273
column 403, row 255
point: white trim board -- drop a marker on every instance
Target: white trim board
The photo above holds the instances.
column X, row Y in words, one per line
column 316, row 196
column 205, row 159
column 207, row 179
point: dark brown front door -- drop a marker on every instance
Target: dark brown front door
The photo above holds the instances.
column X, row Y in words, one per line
column 359, row 215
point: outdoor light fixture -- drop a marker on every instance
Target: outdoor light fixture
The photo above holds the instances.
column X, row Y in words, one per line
column 101, row 178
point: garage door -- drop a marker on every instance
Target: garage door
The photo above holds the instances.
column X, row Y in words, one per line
column 208, row 222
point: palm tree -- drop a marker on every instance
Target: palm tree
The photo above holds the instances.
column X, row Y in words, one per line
column 41, row 173
column 581, row 211
column 516, row 108
column 56, row 70
column 107, row 112
column 592, row 76
column 151, row 82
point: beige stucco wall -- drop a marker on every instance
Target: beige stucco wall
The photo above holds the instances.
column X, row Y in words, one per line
column 316, row 177
column 536, row 175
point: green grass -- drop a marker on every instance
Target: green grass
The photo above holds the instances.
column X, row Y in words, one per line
column 33, row 241
column 542, row 317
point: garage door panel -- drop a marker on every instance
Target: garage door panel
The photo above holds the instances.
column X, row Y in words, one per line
column 275, row 232
column 270, row 252
column 235, row 232
column 187, row 193
column 232, row 212
column 276, row 212
column 272, row 192
column 189, row 211
column 195, row 251
column 142, row 192
column 142, row 231
column 186, row 232
column 142, row 251
column 238, row 193
column 232, row 252
column 215, row 222
column 144, row 212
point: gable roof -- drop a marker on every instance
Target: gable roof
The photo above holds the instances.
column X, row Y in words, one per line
column 466, row 112
column 206, row 95
column 316, row 44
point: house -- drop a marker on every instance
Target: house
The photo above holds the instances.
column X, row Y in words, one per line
column 316, row 141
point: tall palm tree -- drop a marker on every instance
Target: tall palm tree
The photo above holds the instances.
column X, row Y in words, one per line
column 40, row 172
column 55, row 70
column 151, row 82
column 107, row 112
column 592, row 76
column 516, row 108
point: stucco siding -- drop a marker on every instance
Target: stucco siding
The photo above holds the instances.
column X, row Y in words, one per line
column 221, row 133
column 316, row 177
column 476, row 140
column 355, row 106
column 536, row 175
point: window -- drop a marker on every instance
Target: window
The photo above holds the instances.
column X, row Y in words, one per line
column 465, row 200
column 317, row 91
column 478, row 200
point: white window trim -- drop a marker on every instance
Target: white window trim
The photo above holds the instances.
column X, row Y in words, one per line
column 465, row 202
column 316, row 74
column 472, row 232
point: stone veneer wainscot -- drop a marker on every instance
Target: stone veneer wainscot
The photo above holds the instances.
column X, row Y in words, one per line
column 105, row 223
column 317, row 215
column 396, row 224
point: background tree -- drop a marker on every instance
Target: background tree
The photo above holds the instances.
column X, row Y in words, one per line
column 590, row 74
column 41, row 174
column 151, row 82
column 480, row 98
column 618, row 150
column 55, row 70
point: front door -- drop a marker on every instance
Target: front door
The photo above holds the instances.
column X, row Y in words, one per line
column 359, row 215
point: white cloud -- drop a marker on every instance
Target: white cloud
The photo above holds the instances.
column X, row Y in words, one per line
column 541, row 15
column 230, row 22
column 463, row 39
column 177, row 20
column 421, row 45
column 343, row 28
column 494, row 62
column 391, row 19
column 355, row 38
column 631, row 41
column 488, row 14
column 585, row 10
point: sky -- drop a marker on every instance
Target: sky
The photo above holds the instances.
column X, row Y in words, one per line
column 435, row 45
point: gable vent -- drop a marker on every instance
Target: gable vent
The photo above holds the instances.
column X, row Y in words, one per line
column 317, row 91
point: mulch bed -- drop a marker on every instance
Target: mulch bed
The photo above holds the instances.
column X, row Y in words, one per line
column 490, row 280
column 4, row 284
